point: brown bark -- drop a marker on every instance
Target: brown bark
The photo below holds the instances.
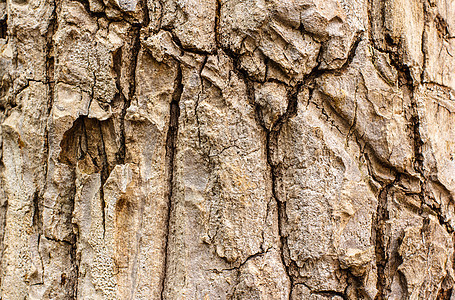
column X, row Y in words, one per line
column 215, row 149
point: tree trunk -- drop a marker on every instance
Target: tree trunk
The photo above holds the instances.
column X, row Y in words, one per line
column 241, row 149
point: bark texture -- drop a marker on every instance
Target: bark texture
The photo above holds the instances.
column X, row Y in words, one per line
column 227, row 149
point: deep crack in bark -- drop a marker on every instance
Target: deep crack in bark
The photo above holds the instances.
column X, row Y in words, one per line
column 171, row 141
column 381, row 217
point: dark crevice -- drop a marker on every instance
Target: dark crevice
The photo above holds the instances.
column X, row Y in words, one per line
column 271, row 135
column 271, row 143
column 282, row 219
column 353, row 50
column 406, row 81
column 50, row 84
column 371, row 159
column 76, row 262
column 418, row 143
column 70, row 281
column 171, row 141
column 126, row 99
column 217, row 23
column 355, row 288
column 161, row 14
column 442, row 27
column 236, row 58
column 135, row 53
column 121, row 154
column 120, row 97
column 37, row 216
column 104, row 174
column 417, row 139
column 145, row 11
column 401, row 276
column 438, row 212
column 379, row 227
column 444, row 294
column 84, row 145
column 38, row 242
column 424, row 40
column 317, row 72
column 3, row 28
column 291, row 110
column 117, row 66
column 72, row 144
column 326, row 108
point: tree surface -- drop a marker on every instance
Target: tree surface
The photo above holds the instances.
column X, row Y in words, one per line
column 227, row 149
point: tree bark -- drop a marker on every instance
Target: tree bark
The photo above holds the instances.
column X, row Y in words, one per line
column 256, row 149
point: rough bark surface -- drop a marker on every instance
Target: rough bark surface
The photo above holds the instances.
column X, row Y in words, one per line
column 227, row 149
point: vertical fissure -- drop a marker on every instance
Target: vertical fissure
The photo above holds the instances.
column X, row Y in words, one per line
column 171, row 141
column 217, row 23
column 406, row 83
column 37, row 217
column 271, row 144
column 117, row 63
column 3, row 24
column 49, row 81
column 146, row 20
column 272, row 141
column 126, row 99
column 104, row 174
column 381, row 217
